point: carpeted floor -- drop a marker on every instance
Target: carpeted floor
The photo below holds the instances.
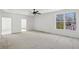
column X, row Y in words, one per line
column 37, row 40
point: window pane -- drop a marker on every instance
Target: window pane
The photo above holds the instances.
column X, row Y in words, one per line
column 60, row 17
column 71, row 25
column 60, row 25
column 70, row 17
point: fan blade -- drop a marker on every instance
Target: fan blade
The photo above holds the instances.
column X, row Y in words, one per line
column 39, row 13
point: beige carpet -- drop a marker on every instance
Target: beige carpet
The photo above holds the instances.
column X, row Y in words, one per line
column 36, row 40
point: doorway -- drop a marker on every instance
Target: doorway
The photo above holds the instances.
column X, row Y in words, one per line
column 23, row 25
column 6, row 25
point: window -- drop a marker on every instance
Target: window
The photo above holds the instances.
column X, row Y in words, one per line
column 66, row 21
column 6, row 25
column 70, row 21
column 60, row 21
column 23, row 25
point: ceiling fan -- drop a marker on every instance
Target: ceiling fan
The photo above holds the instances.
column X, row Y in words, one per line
column 35, row 12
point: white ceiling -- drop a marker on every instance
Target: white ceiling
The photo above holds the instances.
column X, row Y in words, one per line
column 29, row 11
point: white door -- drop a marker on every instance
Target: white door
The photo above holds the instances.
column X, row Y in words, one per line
column 23, row 24
column 6, row 25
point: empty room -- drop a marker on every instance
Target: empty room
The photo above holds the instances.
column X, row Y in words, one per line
column 39, row 29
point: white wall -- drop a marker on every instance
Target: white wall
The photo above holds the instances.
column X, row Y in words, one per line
column 47, row 23
column 16, row 21
column 30, row 23
column 0, row 25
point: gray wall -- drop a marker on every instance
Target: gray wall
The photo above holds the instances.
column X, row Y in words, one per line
column 47, row 23
column 16, row 21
